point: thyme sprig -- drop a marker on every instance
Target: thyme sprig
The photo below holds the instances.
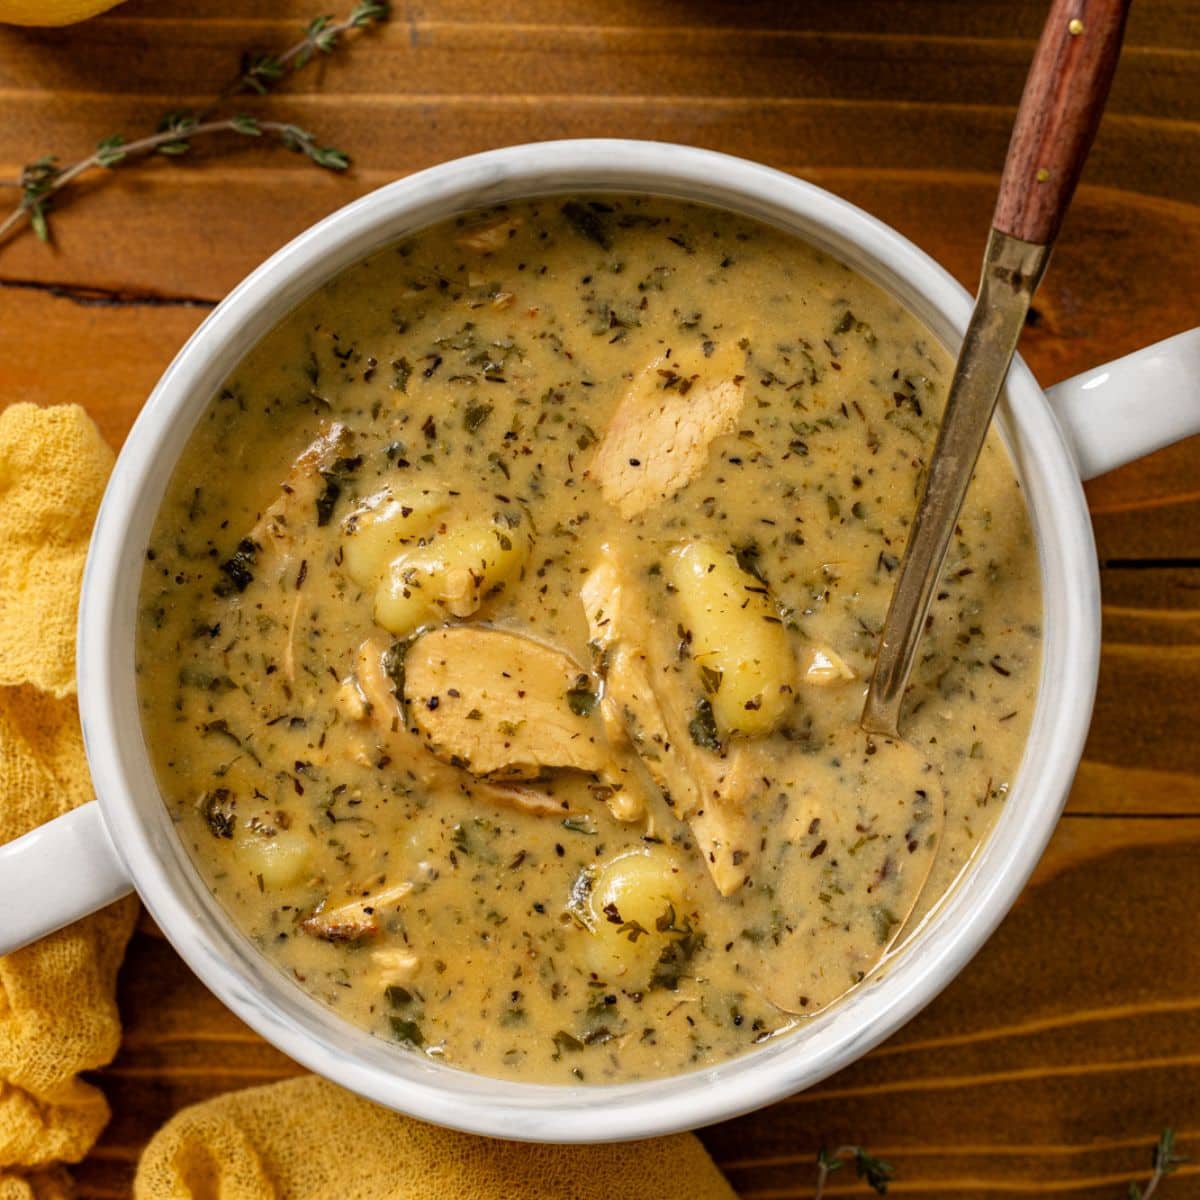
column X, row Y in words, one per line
column 878, row 1174
column 1164, row 1162
column 875, row 1171
column 41, row 180
column 261, row 72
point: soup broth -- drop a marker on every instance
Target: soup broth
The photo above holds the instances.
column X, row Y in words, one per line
column 504, row 634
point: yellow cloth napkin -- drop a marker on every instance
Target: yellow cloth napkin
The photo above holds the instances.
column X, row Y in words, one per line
column 50, row 12
column 57, row 1010
column 305, row 1139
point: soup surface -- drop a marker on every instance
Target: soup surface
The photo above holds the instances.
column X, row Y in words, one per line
column 505, row 628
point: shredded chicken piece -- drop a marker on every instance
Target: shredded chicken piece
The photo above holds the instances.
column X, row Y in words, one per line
column 646, row 693
column 500, row 704
column 355, row 918
column 395, row 966
column 272, row 535
column 408, row 754
column 289, row 646
column 461, row 592
column 658, row 439
column 820, row 666
column 488, row 238
column 266, row 555
column 506, row 707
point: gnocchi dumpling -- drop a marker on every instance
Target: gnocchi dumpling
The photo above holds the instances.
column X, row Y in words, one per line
column 452, row 573
column 638, row 911
column 736, row 639
column 279, row 859
column 377, row 531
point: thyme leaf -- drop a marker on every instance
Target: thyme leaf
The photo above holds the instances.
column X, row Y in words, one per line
column 877, row 1173
column 1164, row 1161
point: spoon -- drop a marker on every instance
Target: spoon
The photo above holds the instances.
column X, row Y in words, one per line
column 1060, row 109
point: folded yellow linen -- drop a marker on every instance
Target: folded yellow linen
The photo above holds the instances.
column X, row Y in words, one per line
column 50, row 12
column 305, row 1139
column 58, row 1016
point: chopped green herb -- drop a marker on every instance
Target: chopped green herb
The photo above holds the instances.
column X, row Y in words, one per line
column 397, row 996
column 392, row 661
column 884, row 922
column 237, row 566
column 566, row 1042
column 406, row 1030
column 673, row 962
column 748, row 558
column 475, row 417
column 580, row 825
column 335, row 480
column 401, row 374
column 702, row 728
column 216, row 807
column 581, row 701
column 587, row 223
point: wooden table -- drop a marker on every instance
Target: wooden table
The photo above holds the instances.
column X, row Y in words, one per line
column 1051, row 1064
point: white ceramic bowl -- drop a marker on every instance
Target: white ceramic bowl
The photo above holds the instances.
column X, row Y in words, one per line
column 127, row 840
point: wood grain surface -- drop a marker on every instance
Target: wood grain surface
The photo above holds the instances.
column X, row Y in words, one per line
column 1051, row 1064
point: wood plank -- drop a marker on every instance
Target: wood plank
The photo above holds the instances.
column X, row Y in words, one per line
column 1143, row 714
column 415, row 128
column 1102, row 787
column 105, row 357
column 1173, row 23
column 445, row 57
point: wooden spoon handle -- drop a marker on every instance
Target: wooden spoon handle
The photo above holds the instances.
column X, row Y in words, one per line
column 1060, row 109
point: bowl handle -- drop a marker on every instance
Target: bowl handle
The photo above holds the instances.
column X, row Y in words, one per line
column 57, row 873
column 1131, row 406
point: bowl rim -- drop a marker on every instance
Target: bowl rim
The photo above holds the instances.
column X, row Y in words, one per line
column 315, row 1036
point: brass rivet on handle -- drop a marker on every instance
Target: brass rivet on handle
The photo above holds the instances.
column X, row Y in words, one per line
column 1042, row 175
column 1075, row 27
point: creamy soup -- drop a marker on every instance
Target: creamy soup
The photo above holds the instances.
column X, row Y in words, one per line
column 505, row 629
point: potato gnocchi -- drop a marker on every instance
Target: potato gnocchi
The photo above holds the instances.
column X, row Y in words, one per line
column 429, row 556
column 735, row 635
column 505, row 627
